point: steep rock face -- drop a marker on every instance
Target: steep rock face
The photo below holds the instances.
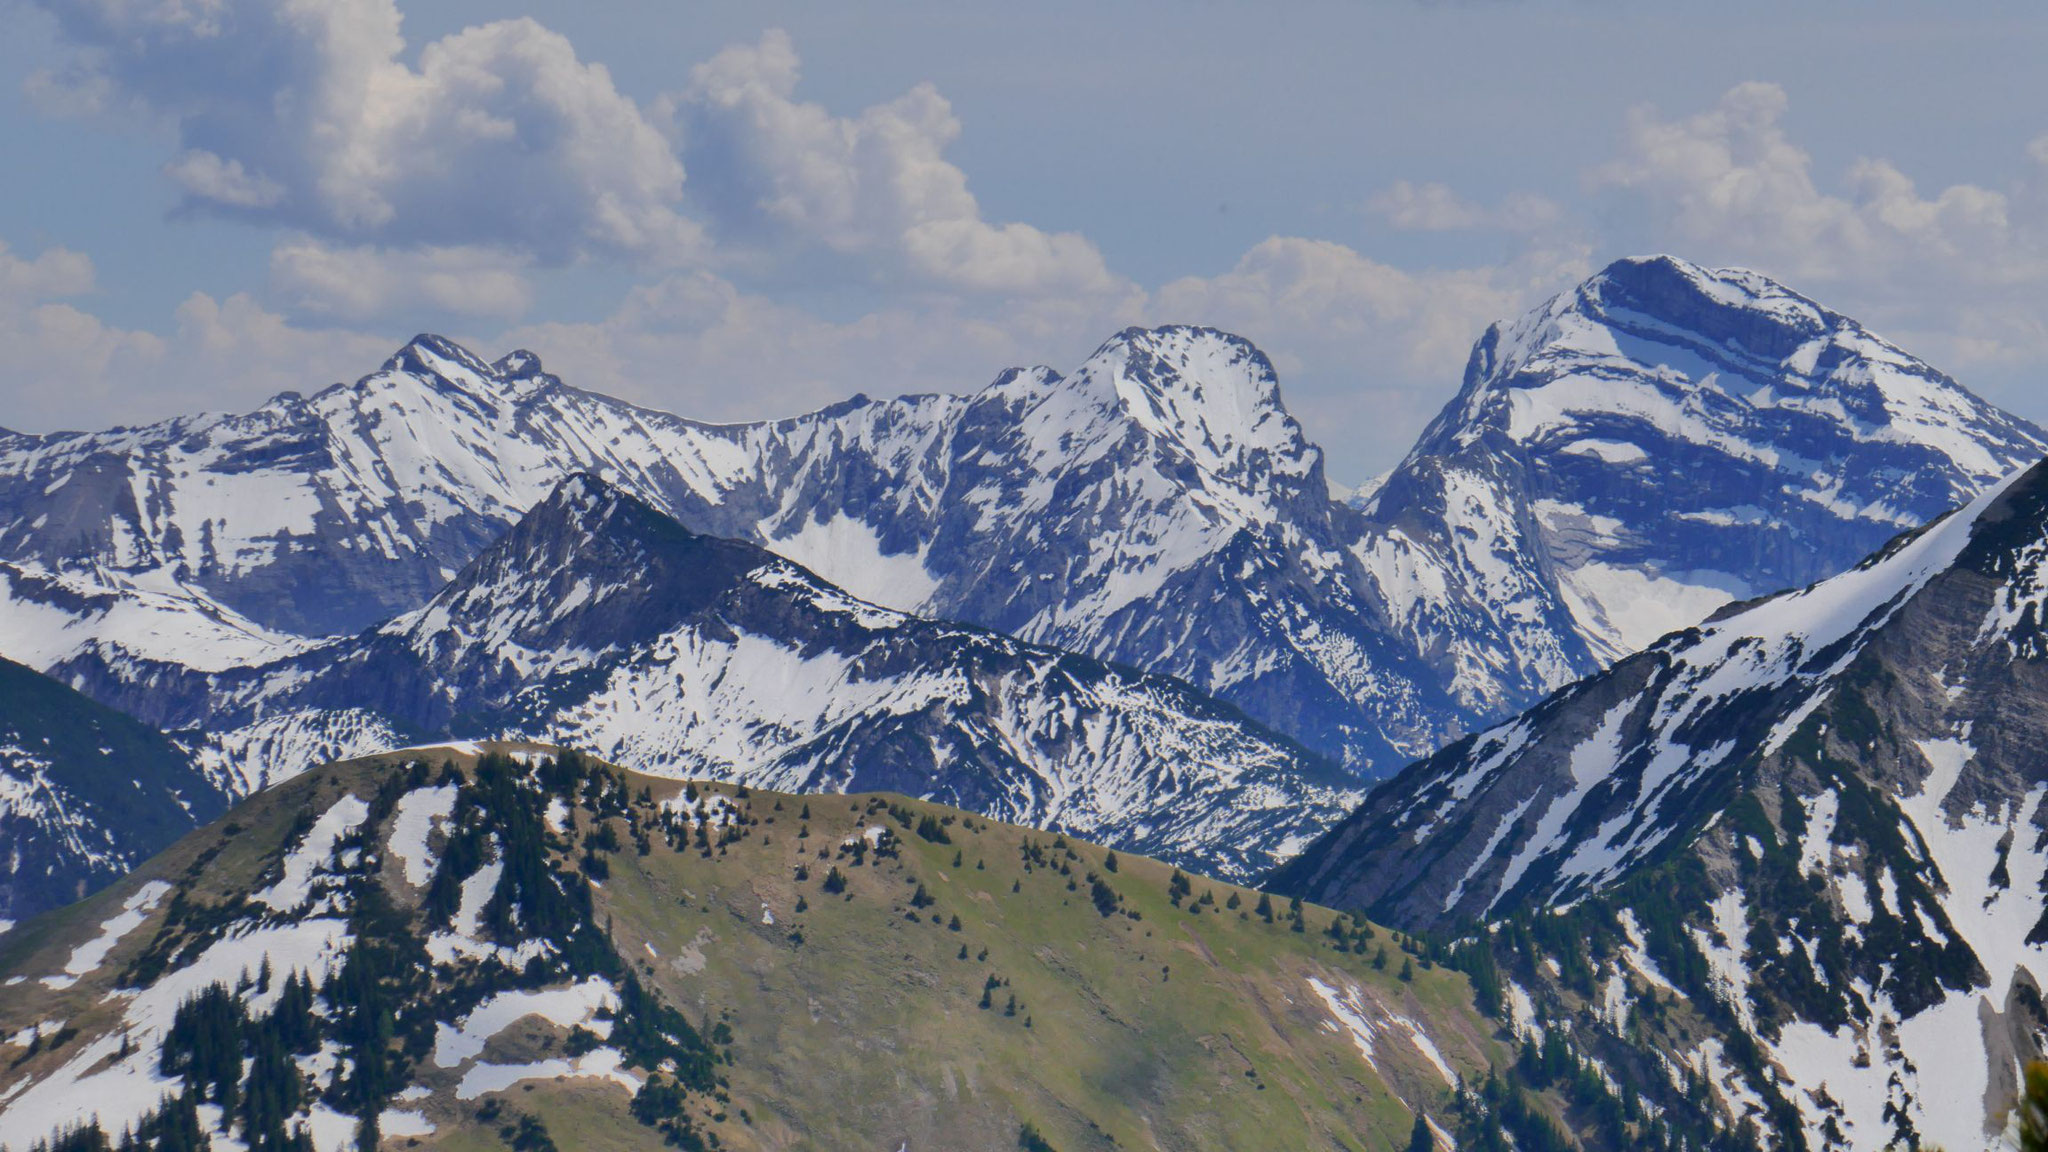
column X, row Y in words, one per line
column 85, row 794
column 1665, row 439
column 602, row 622
column 1829, row 802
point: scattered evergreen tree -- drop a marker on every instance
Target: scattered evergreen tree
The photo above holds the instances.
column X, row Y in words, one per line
column 1106, row 898
column 2033, row 1109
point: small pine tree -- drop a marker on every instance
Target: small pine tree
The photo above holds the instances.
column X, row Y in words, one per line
column 1420, row 1138
column 2033, row 1109
column 1109, row 862
column 1264, row 911
column 1407, row 972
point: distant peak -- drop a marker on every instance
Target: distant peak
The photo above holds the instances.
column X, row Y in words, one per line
column 1224, row 379
column 584, row 493
column 441, row 360
column 1167, row 339
column 431, row 355
column 1211, row 393
column 1688, row 294
column 518, row 364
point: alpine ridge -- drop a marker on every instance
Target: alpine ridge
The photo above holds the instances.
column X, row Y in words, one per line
column 1665, row 439
column 601, row 621
column 1814, row 820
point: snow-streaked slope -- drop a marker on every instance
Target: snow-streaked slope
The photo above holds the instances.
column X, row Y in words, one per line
column 85, row 793
column 1660, row 441
column 601, row 622
column 1158, row 507
column 1836, row 790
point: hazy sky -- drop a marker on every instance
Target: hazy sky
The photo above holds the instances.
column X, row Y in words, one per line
column 742, row 210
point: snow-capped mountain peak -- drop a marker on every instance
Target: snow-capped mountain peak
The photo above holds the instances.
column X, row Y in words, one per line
column 1211, row 395
column 587, row 561
column 1730, row 360
column 1664, row 439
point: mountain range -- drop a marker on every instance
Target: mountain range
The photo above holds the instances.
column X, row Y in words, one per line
column 1732, row 867
column 600, row 621
column 1158, row 507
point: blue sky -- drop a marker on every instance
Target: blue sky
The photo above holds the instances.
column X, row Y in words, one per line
column 734, row 211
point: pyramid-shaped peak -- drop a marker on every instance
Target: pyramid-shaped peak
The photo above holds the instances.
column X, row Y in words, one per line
column 429, row 355
column 588, row 550
column 586, row 504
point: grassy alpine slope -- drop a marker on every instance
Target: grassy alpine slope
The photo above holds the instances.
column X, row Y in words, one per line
column 532, row 952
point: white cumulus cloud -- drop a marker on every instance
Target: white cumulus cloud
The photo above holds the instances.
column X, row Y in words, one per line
column 357, row 283
column 305, row 115
column 773, row 171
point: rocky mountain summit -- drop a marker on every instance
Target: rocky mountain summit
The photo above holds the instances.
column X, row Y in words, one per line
column 1665, row 439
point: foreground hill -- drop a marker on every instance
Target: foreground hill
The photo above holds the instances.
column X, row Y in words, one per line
column 535, row 951
column 1815, row 822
